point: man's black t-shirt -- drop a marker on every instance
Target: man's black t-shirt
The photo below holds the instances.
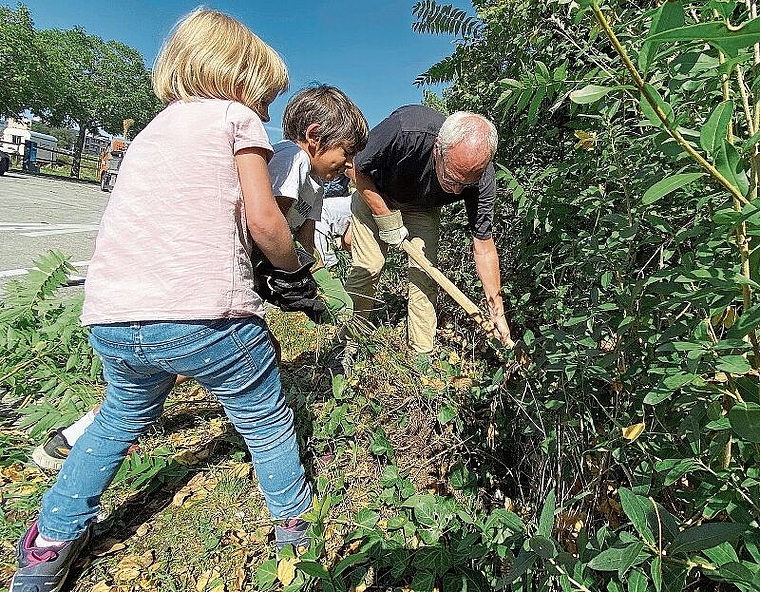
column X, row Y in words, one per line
column 399, row 159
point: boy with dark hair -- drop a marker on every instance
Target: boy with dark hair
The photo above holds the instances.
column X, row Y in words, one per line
column 323, row 131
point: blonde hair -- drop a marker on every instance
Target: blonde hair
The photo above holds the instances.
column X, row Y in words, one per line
column 211, row 55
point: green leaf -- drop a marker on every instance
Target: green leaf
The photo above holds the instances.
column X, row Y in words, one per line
column 349, row 561
column 746, row 323
column 733, row 364
column 706, row 536
column 637, row 508
column 391, row 476
column 423, row 581
column 737, row 573
column 546, row 522
column 367, row 518
column 637, row 581
column 648, row 110
column 314, row 569
column 607, row 560
column 729, row 164
column 436, row 559
column 669, row 16
column 501, row 517
column 656, row 572
column 543, row 546
column 523, row 562
column 266, row 574
column 631, row 556
column 419, row 500
column 744, row 419
column 535, row 104
column 446, row 414
column 713, row 132
column 723, row 553
column 589, row 94
column 715, row 33
column 396, row 522
column 668, row 185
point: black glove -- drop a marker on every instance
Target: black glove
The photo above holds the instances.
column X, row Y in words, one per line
column 290, row 290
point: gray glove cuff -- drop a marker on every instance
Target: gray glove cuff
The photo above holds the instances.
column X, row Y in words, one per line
column 391, row 228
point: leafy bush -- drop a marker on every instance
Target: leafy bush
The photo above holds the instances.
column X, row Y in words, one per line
column 628, row 153
column 48, row 371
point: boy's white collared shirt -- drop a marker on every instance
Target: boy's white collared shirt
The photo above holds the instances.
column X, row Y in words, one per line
column 290, row 172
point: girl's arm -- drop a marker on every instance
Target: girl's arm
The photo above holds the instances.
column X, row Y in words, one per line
column 266, row 223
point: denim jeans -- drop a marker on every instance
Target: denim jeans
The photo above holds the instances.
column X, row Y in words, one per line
column 232, row 358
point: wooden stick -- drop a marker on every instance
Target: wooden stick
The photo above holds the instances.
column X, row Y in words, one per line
column 468, row 305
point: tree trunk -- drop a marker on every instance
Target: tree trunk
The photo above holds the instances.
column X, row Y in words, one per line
column 77, row 158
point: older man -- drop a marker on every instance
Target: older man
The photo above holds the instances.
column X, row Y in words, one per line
column 415, row 162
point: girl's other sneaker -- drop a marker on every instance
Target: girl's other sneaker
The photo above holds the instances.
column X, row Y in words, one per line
column 53, row 452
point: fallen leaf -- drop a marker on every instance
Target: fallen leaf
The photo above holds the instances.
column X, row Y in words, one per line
column 143, row 529
column 240, row 578
column 286, row 570
column 632, row 432
column 241, row 470
column 180, row 497
column 148, row 558
column 108, row 547
column 206, row 577
column 103, row 587
column 129, row 561
column 127, row 574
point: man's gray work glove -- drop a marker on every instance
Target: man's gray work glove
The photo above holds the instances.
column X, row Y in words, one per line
column 290, row 290
column 391, row 227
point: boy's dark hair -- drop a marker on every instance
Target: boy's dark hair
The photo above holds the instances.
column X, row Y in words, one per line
column 340, row 121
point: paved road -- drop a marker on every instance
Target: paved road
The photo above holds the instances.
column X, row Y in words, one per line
column 38, row 214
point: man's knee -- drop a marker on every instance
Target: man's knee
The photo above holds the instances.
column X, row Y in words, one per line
column 423, row 283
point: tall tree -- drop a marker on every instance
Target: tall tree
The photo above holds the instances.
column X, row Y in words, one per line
column 19, row 60
column 94, row 84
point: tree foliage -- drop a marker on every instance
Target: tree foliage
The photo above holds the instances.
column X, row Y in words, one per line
column 628, row 151
column 20, row 71
column 94, row 83
column 71, row 78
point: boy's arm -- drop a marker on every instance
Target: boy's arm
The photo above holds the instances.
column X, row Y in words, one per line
column 284, row 203
column 305, row 235
column 266, row 223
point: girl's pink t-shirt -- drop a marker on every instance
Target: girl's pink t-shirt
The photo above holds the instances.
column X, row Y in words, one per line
column 173, row 241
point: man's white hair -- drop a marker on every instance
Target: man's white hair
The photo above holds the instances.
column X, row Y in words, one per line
column 463, row 125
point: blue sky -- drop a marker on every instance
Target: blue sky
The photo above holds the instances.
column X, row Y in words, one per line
column 365, row 47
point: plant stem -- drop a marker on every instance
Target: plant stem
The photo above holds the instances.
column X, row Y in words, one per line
column 674, row 133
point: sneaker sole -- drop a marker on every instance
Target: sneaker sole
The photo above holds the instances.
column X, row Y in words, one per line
column 45, row 461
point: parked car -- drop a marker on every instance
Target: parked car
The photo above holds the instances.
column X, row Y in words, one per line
column 5, row 162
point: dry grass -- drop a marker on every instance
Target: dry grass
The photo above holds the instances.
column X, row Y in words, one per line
column 201, row 524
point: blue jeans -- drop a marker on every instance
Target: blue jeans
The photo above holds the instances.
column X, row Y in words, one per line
column 232, row 358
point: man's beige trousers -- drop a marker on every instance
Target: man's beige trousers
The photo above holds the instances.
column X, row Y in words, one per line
column 368, row 253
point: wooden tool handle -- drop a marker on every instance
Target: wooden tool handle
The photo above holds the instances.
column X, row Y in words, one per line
column 468, row 305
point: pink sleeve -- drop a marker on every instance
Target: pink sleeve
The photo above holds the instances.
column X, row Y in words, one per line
column 246, row 129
